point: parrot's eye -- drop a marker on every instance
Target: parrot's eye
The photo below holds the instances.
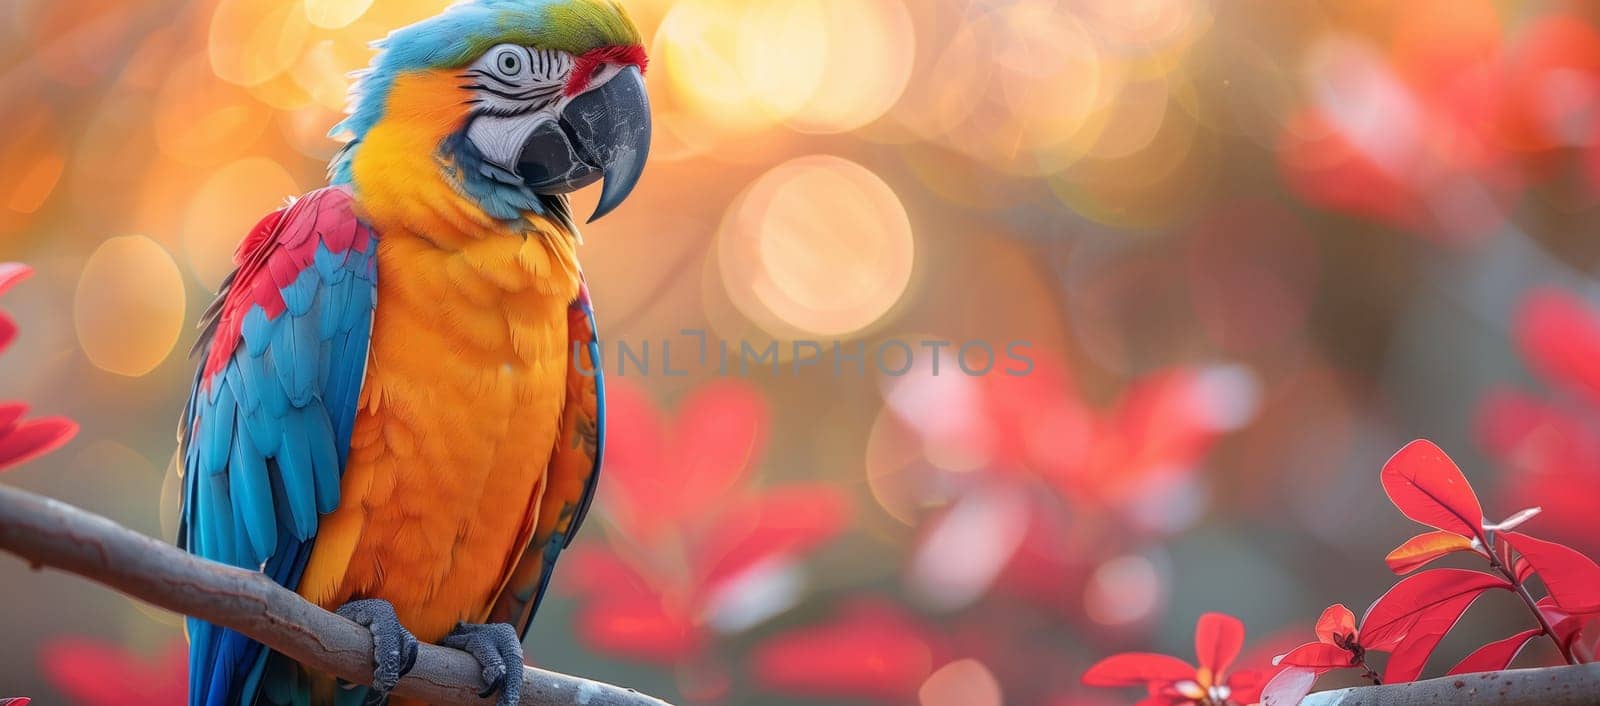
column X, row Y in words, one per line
column 509, row 62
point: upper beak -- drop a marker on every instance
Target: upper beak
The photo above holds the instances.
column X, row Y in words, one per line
column 610, row 126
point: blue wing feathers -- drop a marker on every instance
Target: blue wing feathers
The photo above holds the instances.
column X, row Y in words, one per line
column 267, row 428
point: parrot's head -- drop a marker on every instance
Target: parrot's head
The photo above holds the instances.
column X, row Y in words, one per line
column 513, row 103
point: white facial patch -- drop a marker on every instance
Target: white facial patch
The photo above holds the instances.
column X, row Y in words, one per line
column 515, row 90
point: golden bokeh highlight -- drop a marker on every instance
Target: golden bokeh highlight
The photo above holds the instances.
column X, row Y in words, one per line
column 224, row 209
column 869, row 46
column 333, row 14
column 818, row 245
column 203, row 121
column 33, row 148
column 251, row 41
column 129, row 305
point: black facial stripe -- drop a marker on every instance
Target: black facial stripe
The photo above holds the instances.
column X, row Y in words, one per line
column 478, row 73
column 529, row 95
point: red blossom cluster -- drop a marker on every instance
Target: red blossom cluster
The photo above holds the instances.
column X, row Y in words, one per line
column 1410, row 620
column 1438, row 128
column 696, row 548
column 21, row 439
column 1549, row 442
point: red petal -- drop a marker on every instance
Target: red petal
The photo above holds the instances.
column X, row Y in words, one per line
column 12, row 273
column 784, row 522
column 1288, row 687
column 1495, row 655
column 1426, row 630
column 1335, row 620
column 643, row 627
column 1133, row 668
column 1428, row 487
column 33, row 439
column 1217, row 639
column 94, row 673
column 871, row 650
column 634, row 475
column 719, row 432
column 1396, row 613
column 1245, row 686
column 10, row 414
column 1560, row 337
column 18, row 701
column 8, row 331
column 1319, row 655
column 1424, row 548
column 1572, row 578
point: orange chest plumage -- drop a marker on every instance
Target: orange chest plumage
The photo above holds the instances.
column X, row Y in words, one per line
column 458, row 418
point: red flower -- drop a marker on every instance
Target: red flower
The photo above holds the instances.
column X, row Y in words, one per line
column 24, row 440
column 697, row 549
column 870, row 650
column 1031, row 487
column 1338, row 643
column 1173, row 682
column 95, row 673
column 1551, row 447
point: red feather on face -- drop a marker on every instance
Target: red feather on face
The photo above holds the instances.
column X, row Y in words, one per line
column 585, row 66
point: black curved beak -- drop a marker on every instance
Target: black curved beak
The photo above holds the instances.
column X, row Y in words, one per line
column 604, row 132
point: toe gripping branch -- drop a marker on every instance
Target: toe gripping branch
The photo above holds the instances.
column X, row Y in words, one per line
column 394, row 648
column 498, row 649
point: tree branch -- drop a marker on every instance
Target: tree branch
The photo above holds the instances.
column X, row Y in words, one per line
column 46, row 532
column 1548, row 686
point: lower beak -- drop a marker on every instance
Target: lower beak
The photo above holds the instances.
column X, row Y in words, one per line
column 603, row 132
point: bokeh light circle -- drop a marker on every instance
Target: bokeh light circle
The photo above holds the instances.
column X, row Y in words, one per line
column 333, row 14
column 225, row 208
column 251, row 41
column 965, row 682
column 865, row 67
column 129, row 305
column 817, row 245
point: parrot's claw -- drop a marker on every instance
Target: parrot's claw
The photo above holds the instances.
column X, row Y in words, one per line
column 394, row 648
column 499, row 651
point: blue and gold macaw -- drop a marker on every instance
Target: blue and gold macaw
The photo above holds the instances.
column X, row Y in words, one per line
column 398, row 412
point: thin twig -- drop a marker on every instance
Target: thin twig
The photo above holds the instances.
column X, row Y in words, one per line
column 47, row 532
column 1521, row 589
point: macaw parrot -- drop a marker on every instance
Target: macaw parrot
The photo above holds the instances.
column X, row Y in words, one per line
column 398, row 411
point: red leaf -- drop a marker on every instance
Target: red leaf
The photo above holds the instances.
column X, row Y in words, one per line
column 1424, row 634
column 12, row 273
column 1397, row 612
column 1217, row 639
column 1335, row 620
column 32, row 439
column 1427, row 487
column 1495, row 655
column 1288, row 687
column 1572, row 578
column 1137, row 668
column 1320, row 656
column 1424, row 548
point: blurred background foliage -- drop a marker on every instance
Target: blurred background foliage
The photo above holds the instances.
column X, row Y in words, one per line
column 1256, row 245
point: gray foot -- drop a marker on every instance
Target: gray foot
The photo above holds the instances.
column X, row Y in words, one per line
column 498, row 650
column 394, row 648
